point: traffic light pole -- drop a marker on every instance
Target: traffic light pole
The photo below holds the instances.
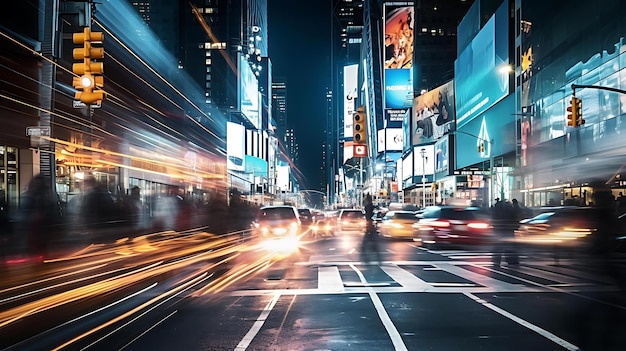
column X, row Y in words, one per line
column 577, row 86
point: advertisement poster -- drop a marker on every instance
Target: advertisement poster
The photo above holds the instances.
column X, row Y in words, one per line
column 433, row 114
column 398, row 55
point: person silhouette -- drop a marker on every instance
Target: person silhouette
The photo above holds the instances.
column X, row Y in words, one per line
column 370, row 246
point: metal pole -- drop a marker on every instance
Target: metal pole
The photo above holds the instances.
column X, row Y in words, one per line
column 491, row 172
column 423, row 152
column 361, row 181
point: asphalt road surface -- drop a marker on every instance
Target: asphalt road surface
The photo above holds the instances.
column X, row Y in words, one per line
column 336, row 294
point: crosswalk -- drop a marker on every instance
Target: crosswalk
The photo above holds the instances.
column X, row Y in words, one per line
column 458, row 271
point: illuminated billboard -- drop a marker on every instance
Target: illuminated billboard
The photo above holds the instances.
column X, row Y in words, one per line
column 235, row 136
column 424, row 165
column 398, row 54
column 390, row 139
column 248, row 93
column 350, row 78
column 442, row 155
column 433, row 114
column 482, row 70
column 497, row 126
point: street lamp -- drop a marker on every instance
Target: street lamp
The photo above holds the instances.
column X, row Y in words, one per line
column 423, row 153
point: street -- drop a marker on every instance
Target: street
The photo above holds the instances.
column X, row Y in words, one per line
column 326, row 295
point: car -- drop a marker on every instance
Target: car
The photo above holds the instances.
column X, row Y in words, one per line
column 277, row 222
column 322, row 228
column 563, row 226
column 398, row 224
column 350, row 220
column 306, row 218
column 452, row 225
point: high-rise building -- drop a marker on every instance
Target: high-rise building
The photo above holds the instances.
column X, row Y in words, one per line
column 435, row 41
column 347, row 34
column 279, row 105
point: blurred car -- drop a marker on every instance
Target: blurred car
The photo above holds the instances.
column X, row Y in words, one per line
column 452, row 225
column 276, row 222
column 398, row 224
column 322, row 227
column 565, row 226
column 306, row 218
column 351, row 220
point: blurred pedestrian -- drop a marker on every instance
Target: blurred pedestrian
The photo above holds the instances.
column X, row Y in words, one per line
column 504, row 223
column 36, row 216
column 369, row 245
column 97, row 208
column 598, row 328
column 137, row 211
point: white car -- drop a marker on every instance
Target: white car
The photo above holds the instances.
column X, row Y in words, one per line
column 277, row 222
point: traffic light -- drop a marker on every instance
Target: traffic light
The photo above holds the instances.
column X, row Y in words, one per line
column 359, row 127
column 577, row 112
column 481, row 147
column 574, row 112
column 90, row 81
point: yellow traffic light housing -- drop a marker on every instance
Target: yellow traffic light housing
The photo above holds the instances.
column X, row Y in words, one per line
column 359, row 126
column 481, row 147
column 90, row 81
column 577, row 111
column 572, row 113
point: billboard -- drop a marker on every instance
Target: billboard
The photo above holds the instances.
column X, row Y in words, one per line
column 248, row 93
column 433, row 114
column 235, row 136
column 398, row 54
column 442, row 155
column 390, row 139
column 394, row 117
column 496, row 125
column 425, row 165
column 482, row 69
column 350, row 78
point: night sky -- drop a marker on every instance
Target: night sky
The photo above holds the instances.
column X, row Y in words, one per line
column 299, row 47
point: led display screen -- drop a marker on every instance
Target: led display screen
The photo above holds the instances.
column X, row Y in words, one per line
column 482, row 69
column 398, row 54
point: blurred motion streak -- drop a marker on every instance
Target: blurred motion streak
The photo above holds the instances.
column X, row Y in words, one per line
column 143, row 306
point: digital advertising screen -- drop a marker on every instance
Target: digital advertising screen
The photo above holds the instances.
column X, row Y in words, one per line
column 433, row 114
column 350, row 79
column 425, row 165
column 442, row 155
column 398, row 54
column 249, row 95
column 497, row 126
column 235, row 136
column 482, row 70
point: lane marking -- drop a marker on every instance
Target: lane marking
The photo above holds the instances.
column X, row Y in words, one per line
column 405, row 278
column 395, row 336
column 546, row 334
column 247, row 339
column 329, row 279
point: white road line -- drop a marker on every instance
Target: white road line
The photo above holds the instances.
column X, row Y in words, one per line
column 329, row 279
column 396, row 339
column 538, row 330
column 478, row 278
column 247, row 339
column 405, row 278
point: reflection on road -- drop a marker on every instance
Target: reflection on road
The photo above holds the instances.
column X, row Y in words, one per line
column 129, row 278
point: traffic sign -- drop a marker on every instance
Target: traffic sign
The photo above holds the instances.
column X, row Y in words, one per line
column 360, row 150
